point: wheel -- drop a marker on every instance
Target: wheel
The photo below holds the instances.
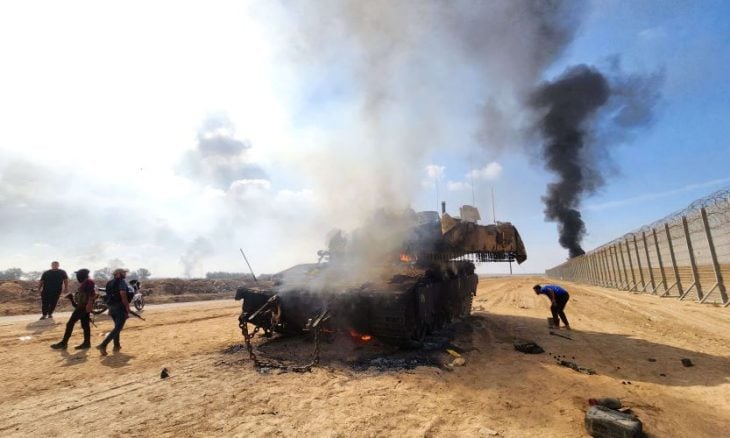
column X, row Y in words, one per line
column 99, row 308
column 139, row 303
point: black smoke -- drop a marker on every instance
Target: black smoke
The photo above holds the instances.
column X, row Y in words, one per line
column 569, row 105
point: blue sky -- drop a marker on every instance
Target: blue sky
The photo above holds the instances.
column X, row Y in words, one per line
column 139, row 88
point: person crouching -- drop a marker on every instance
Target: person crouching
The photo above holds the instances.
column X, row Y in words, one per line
column 83, row 302
column 558, row 300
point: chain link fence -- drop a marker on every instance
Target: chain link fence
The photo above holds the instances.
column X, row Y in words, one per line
column 685, row 255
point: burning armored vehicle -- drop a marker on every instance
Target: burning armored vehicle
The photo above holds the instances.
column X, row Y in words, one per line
column 396, row 278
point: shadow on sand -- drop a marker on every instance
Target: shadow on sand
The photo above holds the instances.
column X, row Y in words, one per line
column 488, row 340
column 116, row 360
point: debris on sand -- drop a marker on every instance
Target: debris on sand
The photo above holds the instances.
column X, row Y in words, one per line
column 233, row 349
column 164, row 374
column 528, row 347
column 687, row 363
column 602, row 422
column 574, row 366
column 607, row 402
column 561, row 336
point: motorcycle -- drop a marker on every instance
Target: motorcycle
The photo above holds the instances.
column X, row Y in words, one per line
column 137, row 301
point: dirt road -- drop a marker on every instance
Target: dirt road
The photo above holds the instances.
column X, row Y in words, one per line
column 500, row 392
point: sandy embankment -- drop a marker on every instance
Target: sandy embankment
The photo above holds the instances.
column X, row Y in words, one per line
column 498, row 392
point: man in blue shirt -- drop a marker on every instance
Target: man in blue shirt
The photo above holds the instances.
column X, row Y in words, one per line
column 558, row 298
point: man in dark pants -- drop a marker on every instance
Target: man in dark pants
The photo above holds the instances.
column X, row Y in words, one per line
column 52, row 282
column 116, row 293
column 558, row 298
column 83, row 303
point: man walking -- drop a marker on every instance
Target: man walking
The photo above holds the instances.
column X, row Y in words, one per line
column 116, row 295
column 83, row 303
column 51, row 284
column 558, row 298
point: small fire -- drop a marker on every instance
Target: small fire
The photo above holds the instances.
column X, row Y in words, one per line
column 359, row 337
column 405, row 258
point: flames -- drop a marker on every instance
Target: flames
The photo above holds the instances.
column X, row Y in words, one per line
column 359, row 337
column 406, row 258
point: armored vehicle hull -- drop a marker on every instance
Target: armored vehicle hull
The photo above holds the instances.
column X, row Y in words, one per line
column 403, row 308
column 396, row 278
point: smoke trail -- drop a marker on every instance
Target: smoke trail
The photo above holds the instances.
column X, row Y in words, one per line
column 569, row 104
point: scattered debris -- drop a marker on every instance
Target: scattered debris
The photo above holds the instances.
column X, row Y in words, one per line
column 25, row 338
column 559, row 335
column 528, row 347
column 651, row 359
column 574, row 366
column 164, row 374
column 602, row 422
column 233, row 349
column 391, row 364
column 662, row 375
column 453, row 353
column 458, row 362
column 687, row 363
column 608, row 402
column 626, row 382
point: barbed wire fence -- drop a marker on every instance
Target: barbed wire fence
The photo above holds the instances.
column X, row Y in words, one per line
column 684, row 255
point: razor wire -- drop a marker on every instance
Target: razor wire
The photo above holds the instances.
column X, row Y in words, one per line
column 684, row 255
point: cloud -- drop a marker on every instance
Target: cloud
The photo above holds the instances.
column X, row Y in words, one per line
column 434, row 171
column 490, row 172
column 457, row 186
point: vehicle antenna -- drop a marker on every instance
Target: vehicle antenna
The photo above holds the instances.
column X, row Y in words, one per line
column 494, row 216
column 249, row 265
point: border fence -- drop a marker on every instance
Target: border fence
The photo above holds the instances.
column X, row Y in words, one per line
column 685, row 255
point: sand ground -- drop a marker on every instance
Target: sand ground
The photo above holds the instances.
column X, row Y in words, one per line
column 499, row 392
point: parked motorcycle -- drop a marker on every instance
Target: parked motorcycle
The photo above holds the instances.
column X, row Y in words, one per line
column 135, row 287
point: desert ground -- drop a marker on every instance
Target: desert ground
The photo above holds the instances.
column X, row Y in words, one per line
column 635, row 344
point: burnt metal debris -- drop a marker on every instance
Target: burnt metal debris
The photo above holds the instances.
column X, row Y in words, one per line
column 397, row 279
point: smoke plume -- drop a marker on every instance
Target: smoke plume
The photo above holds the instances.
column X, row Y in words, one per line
column 580, row 115
column 569, row 104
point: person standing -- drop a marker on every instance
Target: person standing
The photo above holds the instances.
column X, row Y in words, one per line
column 83, row 303
column 116, row 296
column 558, row 298
column 52, row 283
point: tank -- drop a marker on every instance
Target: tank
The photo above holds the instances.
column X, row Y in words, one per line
column 397, row 278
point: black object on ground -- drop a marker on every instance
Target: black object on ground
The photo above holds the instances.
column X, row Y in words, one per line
column 574, row 366
column 164, row 374
column 528, row 347
column 687, row 363
column 651, row 359
column 602, row 422
column 562, row 336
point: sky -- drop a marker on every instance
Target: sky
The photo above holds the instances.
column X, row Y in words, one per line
column 168, row 135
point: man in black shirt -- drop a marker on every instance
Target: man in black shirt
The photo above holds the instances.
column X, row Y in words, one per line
column 52, row 283
column 116, row 295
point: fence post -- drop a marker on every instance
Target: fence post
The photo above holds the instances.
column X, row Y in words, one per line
column 661, row 264
column 621, row 277
column 648, row 263
column 638, row 265
column 612, row 268
column 677, row 279
column 715, row 264
column 607, row 272
column 602, row 264
column 631, row 266
column 695, row 275
column 623, row 264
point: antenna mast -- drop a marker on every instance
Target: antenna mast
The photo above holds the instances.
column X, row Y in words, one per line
column 494, row 216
